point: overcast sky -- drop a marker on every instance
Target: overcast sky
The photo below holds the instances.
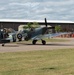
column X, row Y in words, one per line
column 37, row 9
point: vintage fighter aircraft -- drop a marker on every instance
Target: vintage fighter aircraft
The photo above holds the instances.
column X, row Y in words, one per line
column 35, row 34
column 39, row 33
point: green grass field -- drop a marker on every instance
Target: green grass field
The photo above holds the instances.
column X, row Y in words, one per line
column 52, row 62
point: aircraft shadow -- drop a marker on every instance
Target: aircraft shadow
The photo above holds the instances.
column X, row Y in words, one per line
column 51, row 44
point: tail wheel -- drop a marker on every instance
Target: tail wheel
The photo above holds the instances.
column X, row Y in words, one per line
column 34, row 42
column 43, row 42
column 14, row 40
column 20, row 39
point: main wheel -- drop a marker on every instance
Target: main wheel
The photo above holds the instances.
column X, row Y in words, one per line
column 34, row 42
column 3, row 44
column 43, row 42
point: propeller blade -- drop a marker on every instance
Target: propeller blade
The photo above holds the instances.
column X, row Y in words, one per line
column 46, row 22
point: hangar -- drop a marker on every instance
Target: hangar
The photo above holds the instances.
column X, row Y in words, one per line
column 14, row 23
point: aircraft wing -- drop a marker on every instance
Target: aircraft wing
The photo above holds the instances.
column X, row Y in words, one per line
column 38, row 37
column 56, row 34
column 51, row 35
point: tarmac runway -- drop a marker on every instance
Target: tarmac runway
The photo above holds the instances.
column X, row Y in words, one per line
column 21, row 47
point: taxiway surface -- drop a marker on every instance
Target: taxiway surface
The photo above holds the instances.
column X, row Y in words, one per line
column 14, row 47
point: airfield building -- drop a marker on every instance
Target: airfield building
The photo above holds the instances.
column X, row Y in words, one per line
column 9, row 23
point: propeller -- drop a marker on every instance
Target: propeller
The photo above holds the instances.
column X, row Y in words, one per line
column 46, row 22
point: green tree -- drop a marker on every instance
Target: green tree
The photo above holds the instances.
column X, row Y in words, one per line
column 57, row 28
column 31, row 25
column 35, row 25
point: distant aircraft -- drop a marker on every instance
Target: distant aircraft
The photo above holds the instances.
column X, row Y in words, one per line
column 7, row 35
column 35, row 34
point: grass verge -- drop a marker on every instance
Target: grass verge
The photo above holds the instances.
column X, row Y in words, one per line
column 54, row 62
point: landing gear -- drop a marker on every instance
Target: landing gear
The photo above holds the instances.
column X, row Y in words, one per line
column 20, row 39
column 43, row 42
column 2, row 44
column 34, row 42
column 14, row 39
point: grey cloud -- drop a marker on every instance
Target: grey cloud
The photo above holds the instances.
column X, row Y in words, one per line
column 37, row 9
